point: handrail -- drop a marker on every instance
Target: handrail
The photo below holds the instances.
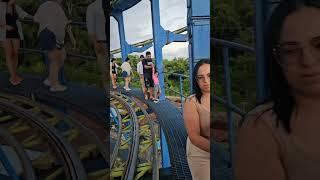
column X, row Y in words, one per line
column 81, row 24
column 180, row 85
column 232, row 106
column 176, row 74
column 226, row 45
column 233, row 45
column 68, row 54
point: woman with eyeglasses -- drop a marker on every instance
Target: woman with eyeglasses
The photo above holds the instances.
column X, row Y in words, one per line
column 10, row 35
column 196, row 116
column 279, row 139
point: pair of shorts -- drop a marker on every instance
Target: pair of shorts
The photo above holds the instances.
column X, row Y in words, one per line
column 48, row 41
column 148, row 81
column 12, row 34
column 156, row 89
column 125, row 74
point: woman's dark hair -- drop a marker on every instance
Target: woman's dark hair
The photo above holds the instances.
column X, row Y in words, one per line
column 280, row 92
column 11, row 6
column 113, row 59
column 196, row 89
column 141, row 56
column 127, row 59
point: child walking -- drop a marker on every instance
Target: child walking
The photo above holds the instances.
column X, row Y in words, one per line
column 156, row 89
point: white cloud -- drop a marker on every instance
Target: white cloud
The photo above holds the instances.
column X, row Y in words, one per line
column 138, row 25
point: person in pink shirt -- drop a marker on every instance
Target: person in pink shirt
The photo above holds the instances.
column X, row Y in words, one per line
column 156, row 89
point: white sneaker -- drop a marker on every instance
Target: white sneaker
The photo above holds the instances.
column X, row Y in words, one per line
column 46, row 82
column 58, row 88
column 156, row 101
column 128, row 89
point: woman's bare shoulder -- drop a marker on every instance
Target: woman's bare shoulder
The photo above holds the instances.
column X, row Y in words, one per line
column 191, row 98
column 257, row 142
column 260, row 114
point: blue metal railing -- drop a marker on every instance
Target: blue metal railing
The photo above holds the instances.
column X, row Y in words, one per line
column 180, row 76
column 8, row 166
column 62, row 79
column 226, row 46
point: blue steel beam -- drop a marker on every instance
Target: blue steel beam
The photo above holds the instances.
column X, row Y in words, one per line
column 172, row 37
column 261, row 14
column 199, row 32
column 227, row 77
column 118, row 15
column 159, row 40
column 133, row 48
column 263, row 11
column 122, row 5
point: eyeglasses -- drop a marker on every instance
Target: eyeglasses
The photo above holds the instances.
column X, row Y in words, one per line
column 203, row 78
column 291, row 53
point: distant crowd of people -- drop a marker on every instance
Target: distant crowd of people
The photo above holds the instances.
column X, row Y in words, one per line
column 148, row 76
column 52, row 22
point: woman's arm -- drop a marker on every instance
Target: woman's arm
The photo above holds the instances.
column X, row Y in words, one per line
column 257, row 154
column 22, row 13
column 39, row 13
column 192, row 123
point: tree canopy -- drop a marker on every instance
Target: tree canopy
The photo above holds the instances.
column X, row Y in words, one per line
column 233, row 20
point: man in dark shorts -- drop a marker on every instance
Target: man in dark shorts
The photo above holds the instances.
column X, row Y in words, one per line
column 52, row 26
column 147, row 72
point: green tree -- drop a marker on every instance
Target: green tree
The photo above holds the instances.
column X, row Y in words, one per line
column 232, row 20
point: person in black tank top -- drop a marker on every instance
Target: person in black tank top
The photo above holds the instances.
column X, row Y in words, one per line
column 114, row 69
column 11, row 22
column 11, row 43
column 113, row 72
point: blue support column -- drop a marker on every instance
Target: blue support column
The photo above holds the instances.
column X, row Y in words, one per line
column 8, row 166
column 261, row 9
column 198, row 31
column 123, row 43
column 231, row 130
column 164, row 150
column 159, row 40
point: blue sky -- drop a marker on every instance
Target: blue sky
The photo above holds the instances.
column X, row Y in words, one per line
column 138, row 25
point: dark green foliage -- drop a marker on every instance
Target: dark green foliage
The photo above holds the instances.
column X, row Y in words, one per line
column 233, row 20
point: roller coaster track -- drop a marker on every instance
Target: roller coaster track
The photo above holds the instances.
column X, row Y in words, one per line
column 129, row 141
column 148, row 41
column 55, row 145
column 146, row 157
